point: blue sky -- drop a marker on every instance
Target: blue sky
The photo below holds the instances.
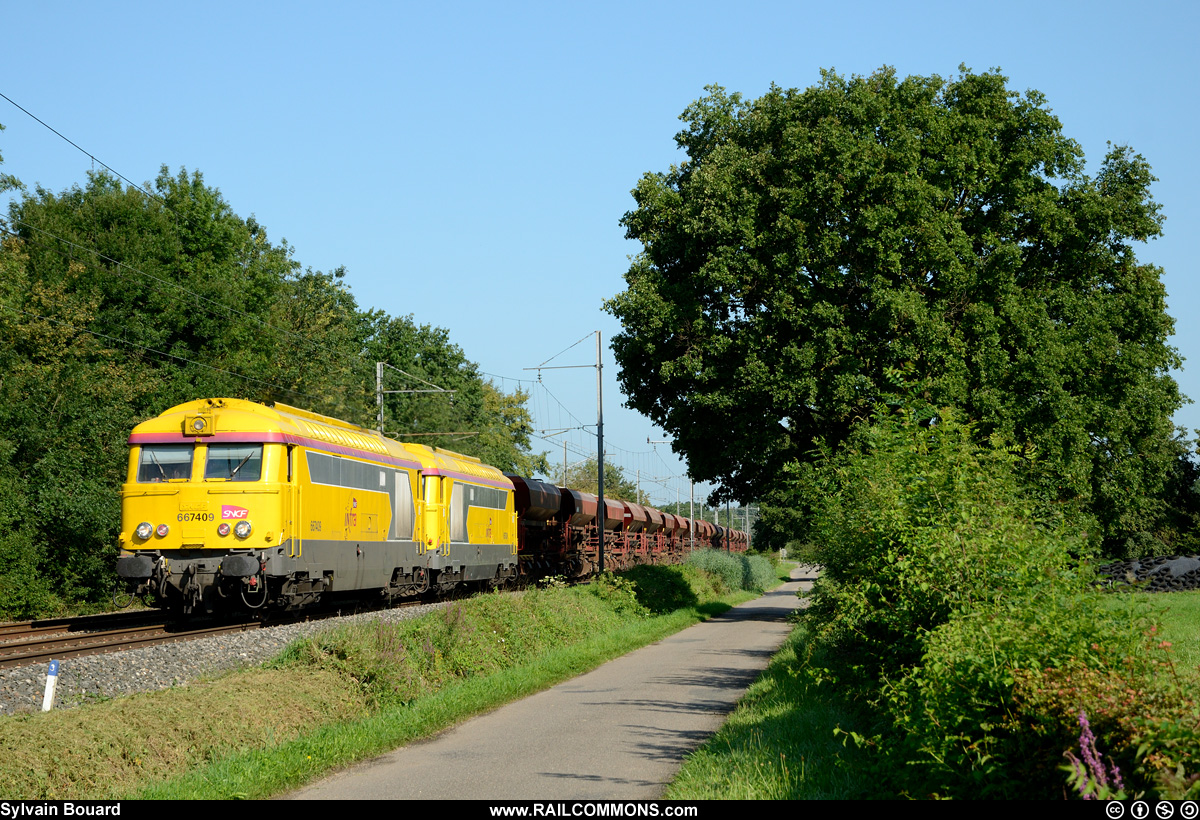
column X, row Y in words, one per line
column 468, row 163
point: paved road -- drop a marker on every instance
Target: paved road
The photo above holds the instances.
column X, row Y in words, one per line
column 620, row 731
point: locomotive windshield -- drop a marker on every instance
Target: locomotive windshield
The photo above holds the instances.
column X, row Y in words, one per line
column 165, row 462
column 234, row 462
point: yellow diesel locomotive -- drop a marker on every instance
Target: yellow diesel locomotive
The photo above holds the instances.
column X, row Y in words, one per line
column 231, row 504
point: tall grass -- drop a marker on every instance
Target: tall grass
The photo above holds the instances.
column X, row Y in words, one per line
column 734, row 570
column 782, row 742
column 395, row 663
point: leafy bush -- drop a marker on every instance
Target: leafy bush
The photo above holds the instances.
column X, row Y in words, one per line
column 1142, row 710
column 803, row 551
column 946, row 583
column 721, row 566
column 663, row 589
column 759, row 573
column 965, row 709
column 623, row 593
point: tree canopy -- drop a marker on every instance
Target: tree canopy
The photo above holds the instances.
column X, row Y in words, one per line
column 816, row 246
column 7, row 181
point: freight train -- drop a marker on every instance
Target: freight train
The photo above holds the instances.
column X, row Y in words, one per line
column 231, row 505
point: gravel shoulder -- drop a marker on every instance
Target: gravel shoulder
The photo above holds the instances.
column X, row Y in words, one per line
column 99, row 677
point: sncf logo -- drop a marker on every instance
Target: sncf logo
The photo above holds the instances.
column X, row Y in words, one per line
column 230, row 511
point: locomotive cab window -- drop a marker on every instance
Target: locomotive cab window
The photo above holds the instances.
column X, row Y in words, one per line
column 233, row 462
column 164, row 462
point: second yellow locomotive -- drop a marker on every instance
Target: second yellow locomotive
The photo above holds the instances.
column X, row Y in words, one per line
column 232, row 504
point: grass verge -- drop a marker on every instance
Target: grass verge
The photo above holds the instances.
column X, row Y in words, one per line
column 1180, row 616
column 344, row 696
column 263, row 771
column 780, row 743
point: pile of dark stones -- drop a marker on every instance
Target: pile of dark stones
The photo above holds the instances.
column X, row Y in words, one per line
column 1161, row 573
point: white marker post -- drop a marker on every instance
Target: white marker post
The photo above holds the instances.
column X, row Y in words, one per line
column 51, row 684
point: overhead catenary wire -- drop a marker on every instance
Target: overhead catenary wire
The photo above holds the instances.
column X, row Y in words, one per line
column 564, row 350
column 436, row 388
column 82, row 150
column 545, row 405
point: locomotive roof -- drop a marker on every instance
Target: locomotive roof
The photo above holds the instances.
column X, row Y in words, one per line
column 242, row 420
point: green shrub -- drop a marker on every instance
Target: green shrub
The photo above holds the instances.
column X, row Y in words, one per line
column 758, row 573
column 944, row 583
column 623, row 594
column 662, row 589
column 803, row 551
column 964, row 712
column 721, row 566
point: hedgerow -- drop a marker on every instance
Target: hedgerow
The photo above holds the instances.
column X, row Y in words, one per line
column 963, row 609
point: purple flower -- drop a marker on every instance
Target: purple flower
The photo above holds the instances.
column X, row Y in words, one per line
column 1090, row 773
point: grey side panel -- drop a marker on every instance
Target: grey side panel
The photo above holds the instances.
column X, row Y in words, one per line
column 374, row 567
column 349, row 565
column 355, row 565
column 463, row 497
column 345, row 472
column 404, row 516
column 479, row 562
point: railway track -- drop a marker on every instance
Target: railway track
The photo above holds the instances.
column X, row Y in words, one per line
column 39, row 642
column 21, row 630
column 36, row 642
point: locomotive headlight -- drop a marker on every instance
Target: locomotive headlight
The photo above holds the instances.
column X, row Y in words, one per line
column 223, row 530
column 162, row 530
column 242, row 529
column 144, row 530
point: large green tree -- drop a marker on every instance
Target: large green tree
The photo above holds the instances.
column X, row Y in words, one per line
column 815, row 245
column 8, row 182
